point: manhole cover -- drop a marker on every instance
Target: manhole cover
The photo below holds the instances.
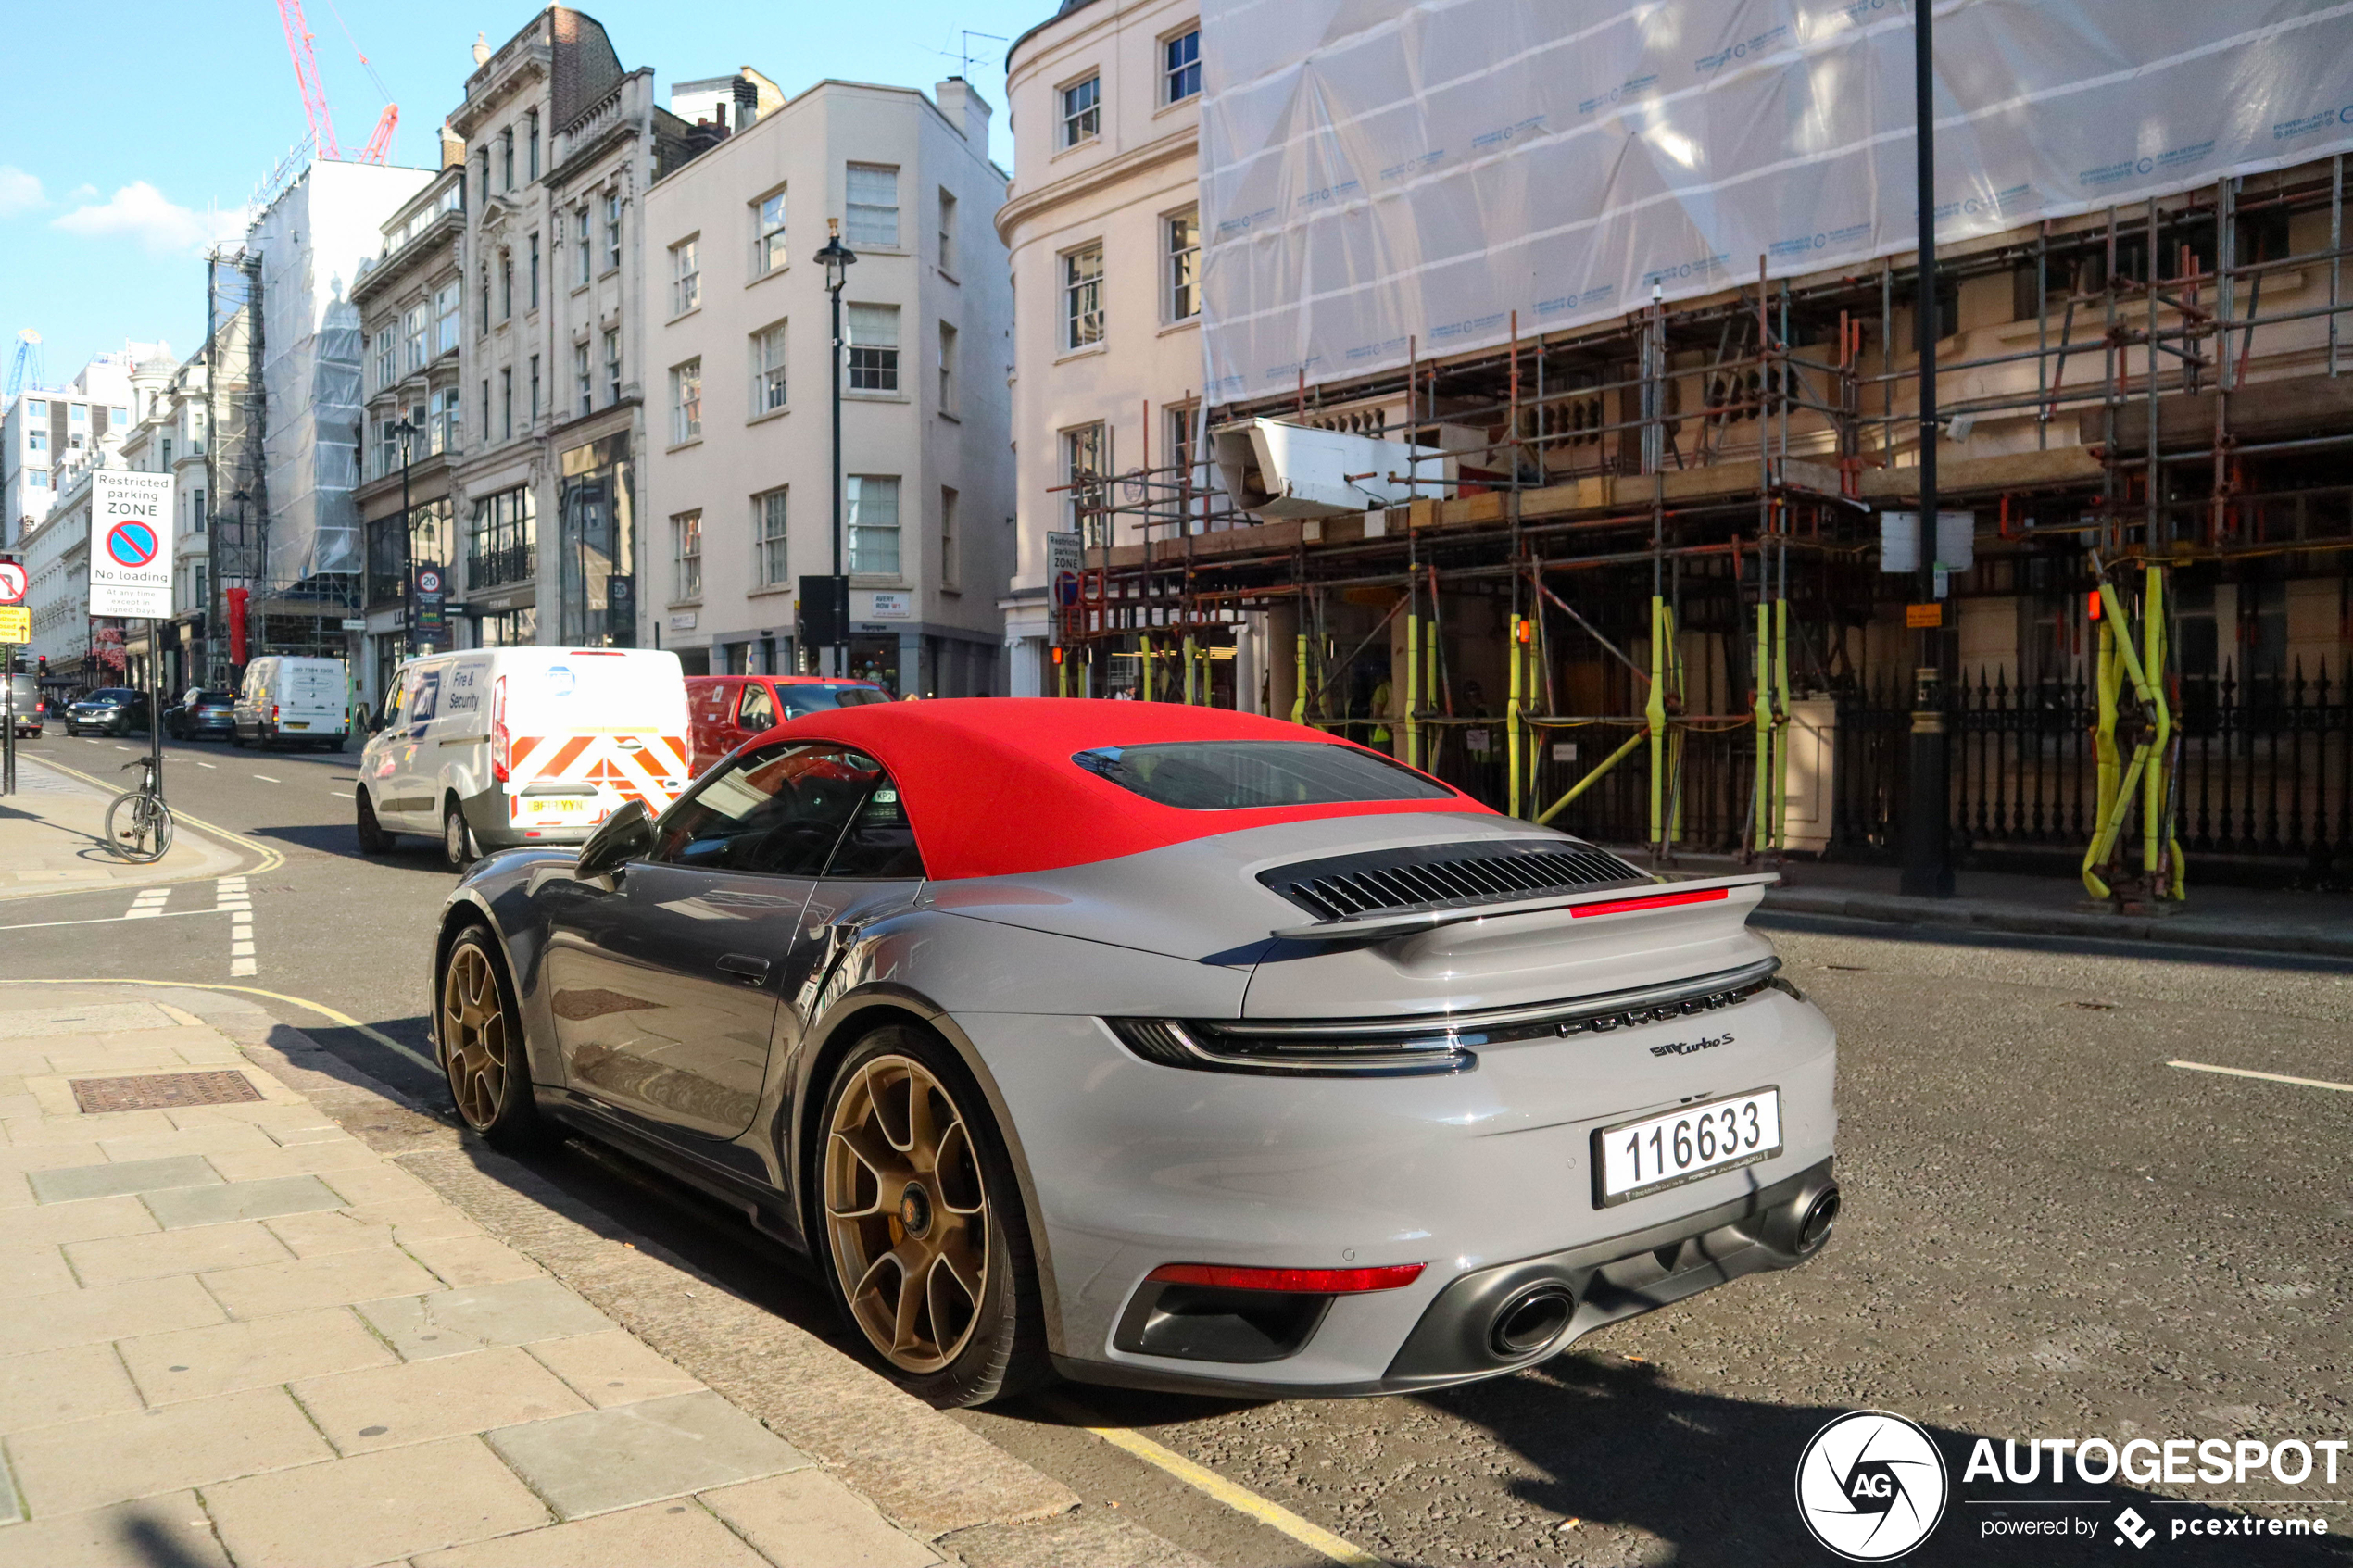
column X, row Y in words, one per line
column 163, row 1091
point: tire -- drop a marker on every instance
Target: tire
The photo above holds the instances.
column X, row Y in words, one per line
column 966, row 1346
column 374, row 839
column 341, row 743
column 139, row 828
column 237, row 739
column 485, row 1053
column 458, row 845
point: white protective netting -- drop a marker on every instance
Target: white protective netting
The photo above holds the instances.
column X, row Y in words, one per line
column 1379, row 171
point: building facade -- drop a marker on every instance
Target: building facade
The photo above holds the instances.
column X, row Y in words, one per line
column 411, row 302
column 738, row 482
column 1102, row 227
column 45, row 431
column 561, row 145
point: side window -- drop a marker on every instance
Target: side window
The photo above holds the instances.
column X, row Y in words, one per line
column 759, row 710
column 392, row 707
column 426, row 697
column 778, row 809
column 880, row 841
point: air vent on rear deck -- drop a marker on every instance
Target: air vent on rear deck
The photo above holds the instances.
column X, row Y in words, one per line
column 1440, row 876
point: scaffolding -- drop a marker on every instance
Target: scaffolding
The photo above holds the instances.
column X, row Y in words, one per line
column 1660, row 541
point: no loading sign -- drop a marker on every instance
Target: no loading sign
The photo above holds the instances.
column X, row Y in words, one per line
column 130, row 544
column 133, row 544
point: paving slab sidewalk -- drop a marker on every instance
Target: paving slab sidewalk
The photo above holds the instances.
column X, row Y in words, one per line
column 237, row 1332
column 53, row 837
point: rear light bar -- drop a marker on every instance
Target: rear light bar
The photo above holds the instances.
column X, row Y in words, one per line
column 501, row 758
column 1650, row 901
column 1316, row 1282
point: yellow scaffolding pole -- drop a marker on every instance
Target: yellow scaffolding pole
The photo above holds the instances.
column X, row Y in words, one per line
column 1191, row 662
column 1517, row 652
column 1780, row 724
column 1411, row 728
column 2149, row 770
column 1581, row 785
column 1761, row 715
column 1655, row 724
column 1144, row 678
column 2153, row 780
column 1061, row 674
column 1299, row 690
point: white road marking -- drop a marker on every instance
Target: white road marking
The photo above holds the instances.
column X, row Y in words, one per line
column 107, row 920
column 265, row 778
column 228, row 894
column 148, row 904
column 204, row 765
column 2267, row 1077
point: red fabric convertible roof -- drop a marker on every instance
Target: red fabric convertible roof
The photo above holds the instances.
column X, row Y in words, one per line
column 991, row 791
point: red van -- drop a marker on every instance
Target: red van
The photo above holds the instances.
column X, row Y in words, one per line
column 724, row 711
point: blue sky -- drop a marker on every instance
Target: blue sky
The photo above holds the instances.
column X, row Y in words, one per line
column 132, row 135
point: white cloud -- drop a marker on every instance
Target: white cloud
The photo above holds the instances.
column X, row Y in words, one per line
column 19, row 191
column 140, row 213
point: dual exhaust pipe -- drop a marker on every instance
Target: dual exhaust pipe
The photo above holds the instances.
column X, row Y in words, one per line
column 1538, row 1314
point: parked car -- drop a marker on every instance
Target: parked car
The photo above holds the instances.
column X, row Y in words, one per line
column 25, row 707
column 501, row 747
column 287, row 700
column 1156, row 1046
column 113, row 711
column 201, row 712
column 724, row 711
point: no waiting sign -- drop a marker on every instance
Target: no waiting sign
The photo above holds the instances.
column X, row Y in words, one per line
column 130, row 544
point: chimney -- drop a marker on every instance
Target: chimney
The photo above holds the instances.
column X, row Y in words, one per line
column 965, row 109
column 747, row 101
column 453, row 149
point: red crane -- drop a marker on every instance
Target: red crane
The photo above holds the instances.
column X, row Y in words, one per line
column 314, row 95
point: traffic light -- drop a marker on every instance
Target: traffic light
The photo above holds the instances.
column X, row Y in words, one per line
column 45, row 666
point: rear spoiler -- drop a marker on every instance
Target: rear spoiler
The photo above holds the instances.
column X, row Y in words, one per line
column 1619, row 901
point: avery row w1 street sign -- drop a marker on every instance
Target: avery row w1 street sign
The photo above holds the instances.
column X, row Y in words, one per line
column 130, row 544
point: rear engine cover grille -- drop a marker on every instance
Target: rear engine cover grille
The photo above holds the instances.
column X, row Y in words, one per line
column 1439, row 877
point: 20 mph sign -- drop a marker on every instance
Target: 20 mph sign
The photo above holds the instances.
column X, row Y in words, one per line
column 130, row 544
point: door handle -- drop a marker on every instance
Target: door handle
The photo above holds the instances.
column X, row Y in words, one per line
column 744, row 964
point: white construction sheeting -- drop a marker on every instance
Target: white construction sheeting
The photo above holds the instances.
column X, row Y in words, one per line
column 1376, row 170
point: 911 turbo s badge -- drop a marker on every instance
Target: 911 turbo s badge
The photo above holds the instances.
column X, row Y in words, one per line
column 1685, row 1047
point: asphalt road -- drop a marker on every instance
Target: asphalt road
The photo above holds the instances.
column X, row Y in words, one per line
column 2049, row 1232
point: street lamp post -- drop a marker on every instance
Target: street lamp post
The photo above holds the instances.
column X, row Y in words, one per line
column 407, row 430
column 837, row 258
column 1928, row 867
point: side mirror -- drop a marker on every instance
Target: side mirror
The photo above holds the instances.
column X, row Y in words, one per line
column 375, row 723
column 625, row 835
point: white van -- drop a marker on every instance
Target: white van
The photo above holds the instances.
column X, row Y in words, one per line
column 496, row 748
column 293, row 701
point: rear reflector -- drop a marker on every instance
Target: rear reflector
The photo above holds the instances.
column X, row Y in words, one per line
column 1649, row 901
column 1321, row 1282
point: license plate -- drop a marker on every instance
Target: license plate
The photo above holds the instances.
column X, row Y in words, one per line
column 1635, row 1159
column 561, row 805
column 296, row 725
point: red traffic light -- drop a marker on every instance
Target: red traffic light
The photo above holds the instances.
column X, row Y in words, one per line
column 2093, row 609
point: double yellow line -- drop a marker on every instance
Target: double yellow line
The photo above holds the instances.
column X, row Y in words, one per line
column 268, row 860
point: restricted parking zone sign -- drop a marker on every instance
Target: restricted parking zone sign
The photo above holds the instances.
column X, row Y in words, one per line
column 130, row 544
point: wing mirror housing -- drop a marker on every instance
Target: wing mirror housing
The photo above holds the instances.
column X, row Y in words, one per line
column 625, row 835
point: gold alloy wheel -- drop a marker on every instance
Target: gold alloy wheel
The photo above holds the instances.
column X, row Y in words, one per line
column 907, row 1212
column 474, row 1036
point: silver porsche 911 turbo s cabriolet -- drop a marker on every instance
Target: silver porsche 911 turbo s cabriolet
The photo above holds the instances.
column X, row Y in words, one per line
column 1156, row 1046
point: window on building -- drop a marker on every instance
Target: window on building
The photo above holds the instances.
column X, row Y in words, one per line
column 685, row 401
column 166, row 454
column 871, row 515
column 612, row 230
column 387, row 447
column 198, row 518
column 506, row 285
column 873, row 348
column 36, row 479
column 483, row 326
column 685, row 277
column 1086, row 458
column 768, row 235
column 445, row 309
column 533, row 294
column 768, row 369
column 1083, row 297
column 506, row 156
column 1180, row 66
column 534, row 389
column 949, row 573
column 507, row 404
column 686, row 556
column 873, row 217
column 580, row 248
column 1178, row 426
column 770, row 559
column 1082, row 111
column 947, row 369
column 584, row 384
column 612, row 366
column 36, row 407
column 485, row 410
column 384, row 361
column 413, row 328
column 442, row 424
column 531, row 144
column 77, row 413
column 38, row 439
column 502, row 541
column 1182, row 238
column 947, row 231
column 486, row 174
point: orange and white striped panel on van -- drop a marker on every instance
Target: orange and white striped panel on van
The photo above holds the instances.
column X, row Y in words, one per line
column 576, row 780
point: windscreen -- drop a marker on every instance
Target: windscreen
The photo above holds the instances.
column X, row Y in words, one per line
column 800, row 700
column 1229, row 775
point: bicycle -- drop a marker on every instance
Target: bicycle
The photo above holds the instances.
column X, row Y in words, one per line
column 139, row 824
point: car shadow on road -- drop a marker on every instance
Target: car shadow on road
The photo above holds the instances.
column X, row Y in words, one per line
column 413, row 852
column 1616, row 1443
column 1715, row 1476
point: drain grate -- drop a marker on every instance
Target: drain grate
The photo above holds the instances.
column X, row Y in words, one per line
column 163, row 1091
